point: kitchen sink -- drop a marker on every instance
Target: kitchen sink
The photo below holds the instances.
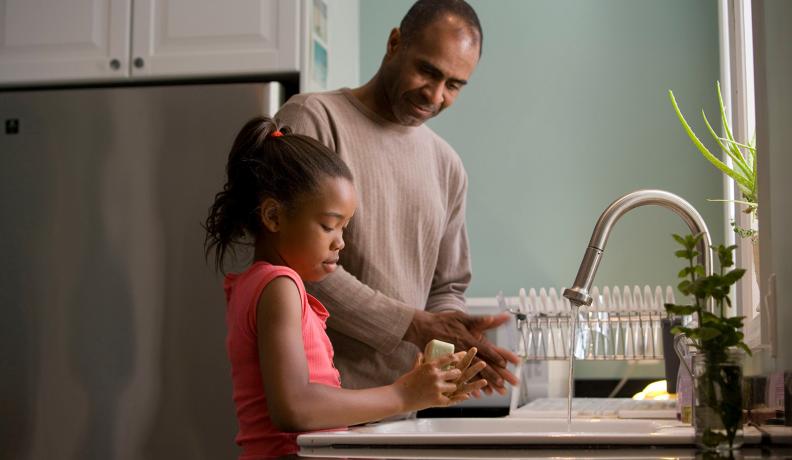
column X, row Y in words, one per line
column 510, row 432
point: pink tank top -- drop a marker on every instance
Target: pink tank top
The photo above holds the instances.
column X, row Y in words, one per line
column 257, row 435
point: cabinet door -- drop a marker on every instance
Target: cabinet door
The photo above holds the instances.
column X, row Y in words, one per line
column 47, row 41
column 175, row 38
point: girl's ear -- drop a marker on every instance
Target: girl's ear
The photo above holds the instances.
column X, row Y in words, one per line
column 269, row 213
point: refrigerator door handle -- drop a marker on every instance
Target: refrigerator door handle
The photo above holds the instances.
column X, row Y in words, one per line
column 273, row 98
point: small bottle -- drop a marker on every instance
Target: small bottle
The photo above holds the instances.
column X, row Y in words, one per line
column 685, row 391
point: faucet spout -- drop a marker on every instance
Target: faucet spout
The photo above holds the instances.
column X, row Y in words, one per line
column 578, row 294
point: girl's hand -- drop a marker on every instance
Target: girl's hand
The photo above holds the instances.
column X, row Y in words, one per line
column 468, row 372
column 427, row 384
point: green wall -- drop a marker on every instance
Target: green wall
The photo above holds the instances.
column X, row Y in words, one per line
column 566, row 112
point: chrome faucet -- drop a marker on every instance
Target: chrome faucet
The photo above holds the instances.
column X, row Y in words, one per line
column 578, row 294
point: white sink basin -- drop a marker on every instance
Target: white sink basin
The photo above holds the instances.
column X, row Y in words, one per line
column 508, row 431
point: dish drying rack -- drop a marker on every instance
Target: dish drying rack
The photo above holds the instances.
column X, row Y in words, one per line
column 620, row 324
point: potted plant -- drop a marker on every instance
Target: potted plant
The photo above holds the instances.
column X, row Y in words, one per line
column 718, row 340
column 742, row 170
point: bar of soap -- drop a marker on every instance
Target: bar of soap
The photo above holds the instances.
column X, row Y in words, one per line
column 436, row 349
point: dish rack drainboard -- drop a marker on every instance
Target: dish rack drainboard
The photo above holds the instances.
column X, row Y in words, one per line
column 620, row 324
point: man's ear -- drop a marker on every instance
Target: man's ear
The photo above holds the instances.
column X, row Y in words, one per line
column 270, row 214
column 394, row 42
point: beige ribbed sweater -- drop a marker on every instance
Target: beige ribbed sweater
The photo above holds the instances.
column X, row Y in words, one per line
column 406, row 246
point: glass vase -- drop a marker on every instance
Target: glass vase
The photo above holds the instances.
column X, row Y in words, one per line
column 718, row 411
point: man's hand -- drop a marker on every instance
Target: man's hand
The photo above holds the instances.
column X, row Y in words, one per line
column 466, row 331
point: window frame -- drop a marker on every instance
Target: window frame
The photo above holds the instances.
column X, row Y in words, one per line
column 738, row 91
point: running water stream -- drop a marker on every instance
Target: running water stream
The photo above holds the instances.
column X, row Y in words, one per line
column 571, row 377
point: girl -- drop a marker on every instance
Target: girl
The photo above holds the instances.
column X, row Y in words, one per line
column 293, row 198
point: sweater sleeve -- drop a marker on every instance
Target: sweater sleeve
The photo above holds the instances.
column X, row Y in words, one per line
column 356, row 310
column 453, row 273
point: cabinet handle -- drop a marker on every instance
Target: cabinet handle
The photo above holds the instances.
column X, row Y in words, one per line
column 115, row 64
column 138, row 62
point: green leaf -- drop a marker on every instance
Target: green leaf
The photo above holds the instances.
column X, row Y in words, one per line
column 746, row 203
column 733, row 276
column 708, row 318
column 681, row 310
column 682, row 253
column 704, row 151
column 750, row 148
column 745, row 347
column 743, row 168
column 679, row 239
column 691, row 241
column 737, row 158
column 723, row 113
column 708, row 333
column 725, row 254
column 682, row 330
column 683, row 273
column 719, row 140
column 735, row 321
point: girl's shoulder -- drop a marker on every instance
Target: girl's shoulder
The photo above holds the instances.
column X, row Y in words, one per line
column 253, row 280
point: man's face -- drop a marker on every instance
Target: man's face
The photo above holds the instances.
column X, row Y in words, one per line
column 425, row 76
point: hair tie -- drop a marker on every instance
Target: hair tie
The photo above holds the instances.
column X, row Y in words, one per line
column 276, row 133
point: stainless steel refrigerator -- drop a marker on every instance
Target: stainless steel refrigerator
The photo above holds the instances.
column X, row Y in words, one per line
column 111, row 322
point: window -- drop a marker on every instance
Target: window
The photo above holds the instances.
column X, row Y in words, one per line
column 737, row 86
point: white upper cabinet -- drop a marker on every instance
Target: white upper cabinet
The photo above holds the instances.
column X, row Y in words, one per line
column 43, row 41
column 173, row 38
column 73, row 41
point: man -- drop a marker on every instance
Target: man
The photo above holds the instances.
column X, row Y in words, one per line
column 406, row 265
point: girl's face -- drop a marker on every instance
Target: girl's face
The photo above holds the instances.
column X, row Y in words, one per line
column 311, row 233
